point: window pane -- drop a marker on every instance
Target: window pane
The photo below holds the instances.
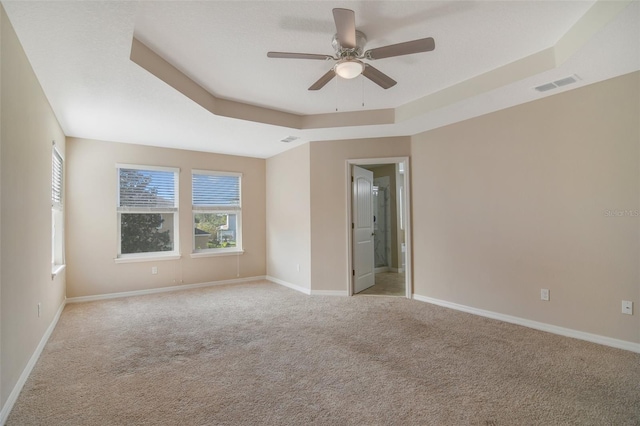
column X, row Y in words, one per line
column 215, row 230
column 57, row 246
column 147, row 188
column 215, row 190
column 146, row 232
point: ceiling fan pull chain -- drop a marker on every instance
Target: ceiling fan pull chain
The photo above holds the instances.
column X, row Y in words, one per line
column 362, row 80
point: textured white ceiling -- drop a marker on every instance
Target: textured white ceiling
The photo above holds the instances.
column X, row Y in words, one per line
column 80, row 53
column 223, row 46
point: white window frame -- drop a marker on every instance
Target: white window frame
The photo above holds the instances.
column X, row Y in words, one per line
column 149, row 256
column 238, row 249
column 57, row 214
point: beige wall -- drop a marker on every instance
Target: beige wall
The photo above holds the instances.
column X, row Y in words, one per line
column 91, row 214
column 28, row 127
column 329, row 224
column 289, row 217
column 516, row 201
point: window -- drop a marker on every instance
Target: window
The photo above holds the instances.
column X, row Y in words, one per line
column 217, row 214
column 57, row 214
column 147, row 211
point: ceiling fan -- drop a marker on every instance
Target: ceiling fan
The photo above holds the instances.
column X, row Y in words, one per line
column 349, row 47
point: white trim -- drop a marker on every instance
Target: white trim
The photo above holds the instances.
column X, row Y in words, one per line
column 305, row 290
column 147, row 210
column 13, row 396
column 408, row 232
column 214, row 173
column 146, row 257
column 234, row 210
column 145, row 167
column 220, row 252
column 562, row 331
column 175, row 210
column 289, row 285
column 161, row 290
column 340, row 293
column 372, row 161
column 56, row 269
column 407, row 215
column 216, row 209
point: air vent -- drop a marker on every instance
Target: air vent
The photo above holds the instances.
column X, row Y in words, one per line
column 565, row 81
column 289, row 139
column 558, row 83
column 545, row 87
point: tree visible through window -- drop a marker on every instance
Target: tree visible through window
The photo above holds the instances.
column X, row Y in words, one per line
column 216, row 211
column 141, row 233
column 147, row 209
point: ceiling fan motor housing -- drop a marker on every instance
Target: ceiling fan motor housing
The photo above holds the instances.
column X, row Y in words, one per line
column 343, row 52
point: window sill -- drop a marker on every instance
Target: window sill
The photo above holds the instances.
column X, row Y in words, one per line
column 153, row 258
column 216, row 253
column 56, row 269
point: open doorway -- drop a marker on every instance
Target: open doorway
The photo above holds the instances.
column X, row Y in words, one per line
column 379, row 235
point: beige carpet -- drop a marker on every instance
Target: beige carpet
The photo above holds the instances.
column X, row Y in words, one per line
column 263, row 354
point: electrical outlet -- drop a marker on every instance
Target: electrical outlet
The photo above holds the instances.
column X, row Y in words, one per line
column 627, row 307
column 39, row 309
column 154, row 270
column 298, row 267
column 544, row 294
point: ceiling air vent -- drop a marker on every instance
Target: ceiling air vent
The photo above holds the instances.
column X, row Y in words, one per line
column 545, row 87
column 289, row 139
column 565, row 81
column 558, row 83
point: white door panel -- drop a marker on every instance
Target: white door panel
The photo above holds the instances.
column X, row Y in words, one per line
column 363, row 245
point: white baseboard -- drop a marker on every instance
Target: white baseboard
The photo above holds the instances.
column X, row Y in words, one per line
column 162, row 289
column 13, row 396
column 307, row 290
column 289, row 285
column 340, row 293
column 562, row 331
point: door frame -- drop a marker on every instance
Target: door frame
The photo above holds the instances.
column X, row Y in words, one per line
column 406, row 205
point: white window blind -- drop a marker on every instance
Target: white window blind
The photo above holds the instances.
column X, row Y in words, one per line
column 212, row 191
column 147, row 190
column 56, row 179
column 147, row 208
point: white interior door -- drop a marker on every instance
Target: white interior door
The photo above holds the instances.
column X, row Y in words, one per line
column 363, row 243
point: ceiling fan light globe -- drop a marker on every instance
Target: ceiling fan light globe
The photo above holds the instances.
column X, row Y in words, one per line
column 349, row 69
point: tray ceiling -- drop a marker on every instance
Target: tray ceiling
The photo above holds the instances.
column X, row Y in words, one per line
column 488, row 56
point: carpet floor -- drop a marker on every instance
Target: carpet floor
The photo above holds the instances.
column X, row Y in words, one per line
column 263, row 354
